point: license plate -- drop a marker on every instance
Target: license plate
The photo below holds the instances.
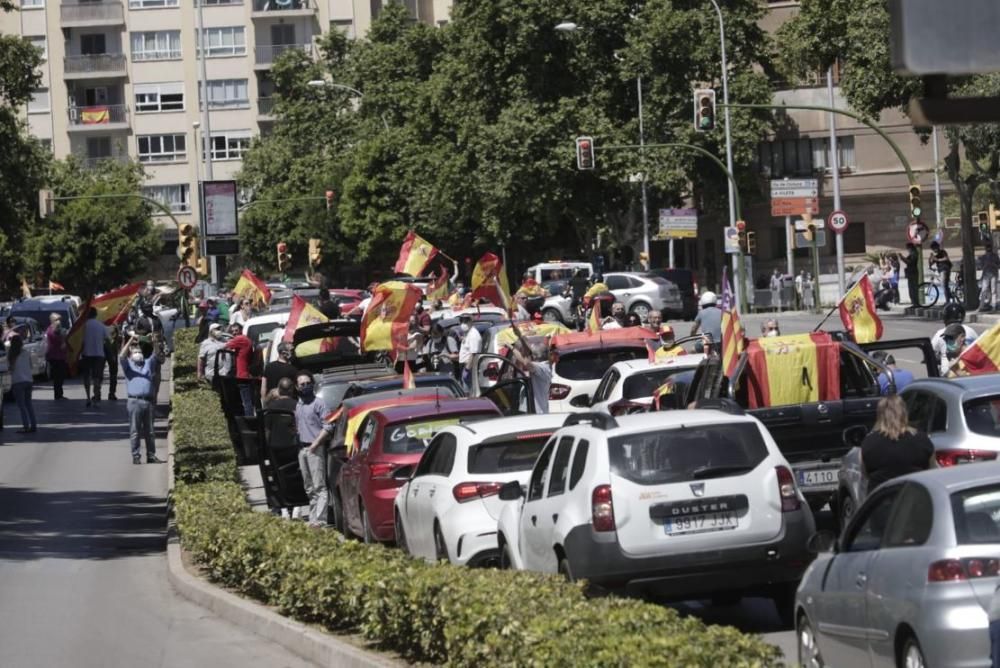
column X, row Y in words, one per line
column 818, row 478
column 701, row 523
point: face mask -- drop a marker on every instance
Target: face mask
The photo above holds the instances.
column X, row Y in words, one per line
column 772, row 332
column 951, row 345
column 306, row 390
column 465, row 326
column 137, row 357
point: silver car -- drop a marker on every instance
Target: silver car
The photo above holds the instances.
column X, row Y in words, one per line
column 961, row 416
column 642, row 293
column 911, row 578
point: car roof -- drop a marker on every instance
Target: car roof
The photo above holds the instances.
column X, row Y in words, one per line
column 627, row 367
column 952, row 479
column 389, row 381
column 40, row 305
column 278, row 315
column 609, row 339
column 486, row 429
column 374, row 397
column 641, row 422
column 443, row 406
column 967, row 387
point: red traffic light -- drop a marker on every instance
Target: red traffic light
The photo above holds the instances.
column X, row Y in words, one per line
column 741, row 225
column 282, row 247
column 585, row 152
column 329, row 198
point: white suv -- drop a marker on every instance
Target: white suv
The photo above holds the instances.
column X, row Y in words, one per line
column 628, row 387
column 449, row 507
column 685, row 504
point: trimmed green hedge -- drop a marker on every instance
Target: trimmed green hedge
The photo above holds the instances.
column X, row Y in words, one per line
column 434, row 613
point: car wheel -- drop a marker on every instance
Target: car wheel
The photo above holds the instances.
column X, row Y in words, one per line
column 783, row 596
column 401, row 535
column 366, row 528
column 912, row 656
column 641, row 309
column 337, row 510
column 809, row 655
column 440, row 549
column 565, row 570
column 846, row 510
column 506, row 561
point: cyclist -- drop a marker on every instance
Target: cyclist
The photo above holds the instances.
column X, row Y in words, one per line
column 954, row 314
column 940, row 261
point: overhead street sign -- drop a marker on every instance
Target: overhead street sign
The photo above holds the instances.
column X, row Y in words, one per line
column 678, row 224
column 794, row 197
column 794, row 206
column 837, row 222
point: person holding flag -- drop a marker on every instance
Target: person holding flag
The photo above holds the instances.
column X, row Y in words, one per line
column 414, row 255
column 251, row 287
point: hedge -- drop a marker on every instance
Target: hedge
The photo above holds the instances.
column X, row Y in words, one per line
column 435, row 613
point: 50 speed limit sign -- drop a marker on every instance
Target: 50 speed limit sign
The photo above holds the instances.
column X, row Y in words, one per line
column 837, row 222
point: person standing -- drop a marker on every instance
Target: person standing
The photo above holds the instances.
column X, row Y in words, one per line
column 799, row 283
column 55, row 355
column 441, row 351
column 326, row 305
column 111, row 346
column 278, row 369
column 532, row 359
column 244, row 352
column 940, row 261
column 243, row 313
column 989, row 263
column 472, row 342
column 206, row 354
column 777, row 283
column 140, row 371
column 19, row 363
column 709, row 319
column 92, row 356
column 893, row 448
column 313, row 433
column 911, row 272
column 807, row 292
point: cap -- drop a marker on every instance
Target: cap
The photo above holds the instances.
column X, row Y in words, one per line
column 666, row 329
column 214, row 326
column 953, row 331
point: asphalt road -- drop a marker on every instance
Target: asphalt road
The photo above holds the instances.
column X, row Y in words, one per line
column 83, row 551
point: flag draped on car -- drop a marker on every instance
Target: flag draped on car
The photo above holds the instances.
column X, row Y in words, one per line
column 112, row 308
column 793, row 369
column 489, row 281
column 981, row 356
column 438, row 288
column 252, row 288
column 734, row 340
column 594, row 321
column 857, row 312
column 414, row 255
column 409, row 382
column 386, row 322
column 356, row 415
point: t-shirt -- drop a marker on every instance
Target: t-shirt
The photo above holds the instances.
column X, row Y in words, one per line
column 94, row 333
column 275, row 371
column 309, row 419
column 244, row 350
column 541, row 382
column 885, row 459
column 55, row 344
column 471, row 344
column 709, row 320
column 21, row 372
column 206, row 352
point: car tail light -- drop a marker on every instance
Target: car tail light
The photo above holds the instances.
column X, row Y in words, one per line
column 956, row 570
column 959, row 456
column 602, row 510
column 492, row 371
column 625, row 407
column 467, row 491
column 786, row 487
column 381, row 469
column 557, row 391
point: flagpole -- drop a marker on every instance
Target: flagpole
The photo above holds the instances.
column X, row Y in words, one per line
column 854, row 281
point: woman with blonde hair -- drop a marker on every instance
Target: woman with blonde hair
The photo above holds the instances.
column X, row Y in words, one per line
column 894, row 448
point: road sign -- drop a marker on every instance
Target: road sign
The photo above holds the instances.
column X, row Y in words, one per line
column 678, row 224
column 794, row 197
column 732, row 240
column 837, row 222
column 187, row 277
column 917, row 232
column 802, row 242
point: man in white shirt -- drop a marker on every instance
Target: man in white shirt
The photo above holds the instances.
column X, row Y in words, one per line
column 472, row 342
column 92, row 355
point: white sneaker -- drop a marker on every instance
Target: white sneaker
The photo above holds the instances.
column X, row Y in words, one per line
column 286, row 513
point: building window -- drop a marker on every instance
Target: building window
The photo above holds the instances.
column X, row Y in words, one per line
column 38, row 41
column 152, row 4
column 46, row 144
column 32, row 4
column 39, row 102
column 209, row 3
column 845, row 153
column 159, row 97
column 803, row 156
column 156, row 45
column 176, row 197
column 230, row 145
column 227, row 94
column 162, row 148
column 854, row 238
column 230, row 41
column 345, row 26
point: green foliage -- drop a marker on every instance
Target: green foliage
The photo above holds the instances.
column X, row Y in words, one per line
column 434, row 613
column 91, row 245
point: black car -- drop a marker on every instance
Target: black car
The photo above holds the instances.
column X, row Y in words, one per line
column 684, row 280
column 39, row 311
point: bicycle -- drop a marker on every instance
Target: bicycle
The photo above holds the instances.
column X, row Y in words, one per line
column 930, row 291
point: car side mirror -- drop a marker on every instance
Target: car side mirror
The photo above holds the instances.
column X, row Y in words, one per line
column 853, row 436
column 822, row 541
column 403, row 473
column 511, row 491
column 580, row 401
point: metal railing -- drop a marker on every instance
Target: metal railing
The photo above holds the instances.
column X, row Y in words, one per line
column 282, row 5
column 265, row 106
column 74, row 11
column 96, row 115
column 101, row 62
column 94, row 162
column 268, row 53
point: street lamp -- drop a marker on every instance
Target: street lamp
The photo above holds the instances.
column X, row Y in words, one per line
column 321, row 83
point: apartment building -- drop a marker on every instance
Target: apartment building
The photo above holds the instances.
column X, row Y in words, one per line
column 121, row 78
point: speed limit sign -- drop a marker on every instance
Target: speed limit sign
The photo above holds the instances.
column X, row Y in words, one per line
column 837, row 222
column 187, row 277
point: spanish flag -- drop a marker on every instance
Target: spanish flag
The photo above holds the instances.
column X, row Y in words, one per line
column 982, row 356
column 793, row 369
column 356, row 415
column 489, row 281
column 594, row 321
column 252, row 288
column 112, row 308
column 55, row 287
column 386, row 322
column 414, row 255
column 734, row 340
column 95, row 115
column 302, row 314
column 438, row 288
column 409, row 383
column 857, row 312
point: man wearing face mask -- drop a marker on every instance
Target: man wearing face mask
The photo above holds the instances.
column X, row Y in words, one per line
column 954, row 314
column 954, row 345
column 770, row 328
column 139, row 375
column 440, row 351
column 313, row 433
column 472, row 342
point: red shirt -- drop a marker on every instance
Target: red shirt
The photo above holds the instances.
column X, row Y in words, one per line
column 244, row 350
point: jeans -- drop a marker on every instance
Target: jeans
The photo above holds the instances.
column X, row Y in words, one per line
column 140, row 426
column 988, row 296
column 313, row 467
column 92, row 369
column 911, row 288
column 246, row 396
column 995, row 643
column 22, row 395
column 58, row 370
column 946, row 282
column 111, row 358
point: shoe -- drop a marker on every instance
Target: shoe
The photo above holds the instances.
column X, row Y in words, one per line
column 136, row 459
column 89, row 403
column 112, row 397
column 23, row 431
column 153, row 460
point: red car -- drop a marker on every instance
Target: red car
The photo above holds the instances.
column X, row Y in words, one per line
column 391, row 439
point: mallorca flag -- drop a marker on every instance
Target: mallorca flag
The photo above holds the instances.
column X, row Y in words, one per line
column 793, row 369
column 112, row 308
column 414, row 255
column 56, row 287
column 94, row 115
column 982, row 356
column 594, row 321
column 857, row 312
column 252, row 288
column 386, row 322
column 734, row 340
column 438, row 288
column 489, row 281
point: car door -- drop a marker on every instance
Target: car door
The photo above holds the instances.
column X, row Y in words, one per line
column 841, row 611
column 416, row 501
column 437, row 488
column 529, row 538
column 551, row 507
column 618, row 285
column 350, row 489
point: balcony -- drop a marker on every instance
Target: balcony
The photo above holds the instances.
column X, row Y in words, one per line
column 268, row 53
column 265, row 108
column 77, row 13
column 265, row 8
column 102, row 118
column 102, row 65
column 95, row 162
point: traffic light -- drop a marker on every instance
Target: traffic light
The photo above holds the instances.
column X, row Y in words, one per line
column 742, row 236
column 284, row 259
column 585, row 152
column 915, row 209
column 985, row 224
column 329, row 199
column 202, row 267
column 315, row 252
column 751, row 243
column 187, row 245
column 810, row 230
column 704, row 110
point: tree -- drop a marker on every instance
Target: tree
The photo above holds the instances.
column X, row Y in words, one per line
column 91, row 245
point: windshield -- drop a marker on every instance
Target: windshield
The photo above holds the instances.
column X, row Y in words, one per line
column 414, row 436
column 977, row 515
column 41, row 317
column 644, row 384
column 262, row 333
column 982, row 415
column 509, row 455
column 591, row 364
column 687, row 453
column 561, row 273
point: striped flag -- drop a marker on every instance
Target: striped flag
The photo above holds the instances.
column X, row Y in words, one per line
column 734, row 340
column 793, row 369
column 386, row 322
column 594, row 321
column 302, row 314
column 112, row 308
column 438, row 288
column 409, row 382
column 414, row 255
column 489, row 281
column 982, row 356
column 252, row 288
column 857, row 312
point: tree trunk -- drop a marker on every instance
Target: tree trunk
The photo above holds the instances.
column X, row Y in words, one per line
column 966, row 189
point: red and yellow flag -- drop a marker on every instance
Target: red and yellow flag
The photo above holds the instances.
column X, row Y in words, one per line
column 252, row 288
column 594, row 320
column 489, row 281
column 95, row 115
column 302, row 314
column 112, row 308
column 982, row 356
column 438, row 288
column 857, row 312
column 734, row 338
column 414, row 255
column 56, row 287
column 793, row 369
column 386, row 322
column 409, row 383
column 356, row 415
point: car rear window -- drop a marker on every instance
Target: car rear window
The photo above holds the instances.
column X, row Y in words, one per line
column 414, row 435
column 591, row 364
column 41, row 317
column 333, row 394
column 687, row 453
column 982, row 415
column 262, row 333
column 644, row 384
column 507, row 455
column 976, row 512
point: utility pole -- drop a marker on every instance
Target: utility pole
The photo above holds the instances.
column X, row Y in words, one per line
column 642, row 153
column 206, row 133
column 815, row 257
column 835, row 166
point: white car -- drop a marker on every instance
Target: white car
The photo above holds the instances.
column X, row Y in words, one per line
column 260, row 328
column 559, row 270
column 583, row 359
column 686, row 504
column 642, row 293
column 449, row 507
column 629, row 386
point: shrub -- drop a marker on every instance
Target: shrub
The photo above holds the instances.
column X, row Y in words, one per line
column 434, row 613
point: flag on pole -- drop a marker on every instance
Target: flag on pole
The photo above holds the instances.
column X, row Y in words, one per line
column 386, row 323
column 734, row 340
column 438, row 288
column 56, row 287
column 981, row 356
column 25, row 288
column 857, row 312
column 112, row 308
column 414, row 255
column 303, row 314
column 252, row 288
column 408, row 381
column 650, row 352
column 594, row 321
column 489, row 281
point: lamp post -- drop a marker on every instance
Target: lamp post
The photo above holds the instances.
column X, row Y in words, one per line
column 320, row 83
